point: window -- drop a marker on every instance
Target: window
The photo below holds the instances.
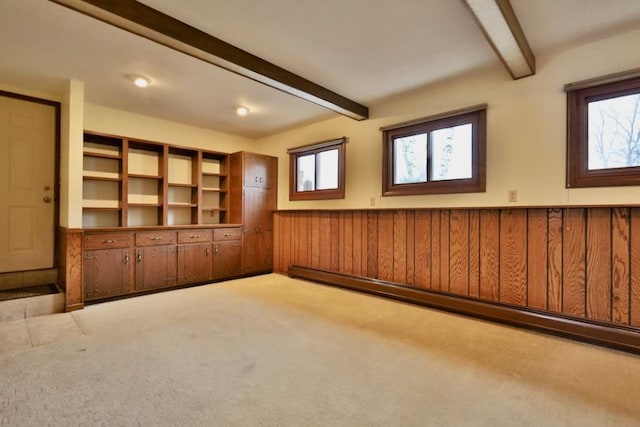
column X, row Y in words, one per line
column 603, row 146
column 316, row 171
column 440, row 154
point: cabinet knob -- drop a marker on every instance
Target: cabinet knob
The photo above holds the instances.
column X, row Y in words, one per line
column 194, row 236
column 206, row 251
column 126, row 259
column 139, row 257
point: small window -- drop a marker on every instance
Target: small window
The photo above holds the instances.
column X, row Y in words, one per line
column 316, row 171
column 440, row 154
column 603, row 146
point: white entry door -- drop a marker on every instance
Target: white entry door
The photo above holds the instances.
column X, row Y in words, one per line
column 27, row 182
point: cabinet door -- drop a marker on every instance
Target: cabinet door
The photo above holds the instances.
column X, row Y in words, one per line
column 257, row 233
column 227, row 259
column 194, row 263
column 156, row 267
column 259, row 171
column 264, row 251
column 106, row 273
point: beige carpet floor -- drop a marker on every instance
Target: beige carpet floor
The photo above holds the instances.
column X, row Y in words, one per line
column 273, row 351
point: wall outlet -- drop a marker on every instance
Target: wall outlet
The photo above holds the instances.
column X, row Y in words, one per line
column 513, row 195
column 372, row 202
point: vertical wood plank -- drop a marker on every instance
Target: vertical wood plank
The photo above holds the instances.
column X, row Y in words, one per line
column 459, row 252
column 423, row 249
column 598, row 264
column 303, row 236
column 385, row 245
column 513, row 256
column 537, row 258
column 573, row 254
column 372, row 244
column 554, row 272
column 293, row 218
column 309, row 238
column 635, row 267
column 336, row 241
column 325, row 240
column 489, row 254
column 444, row 250
column 474, row 253
column 399, row 255
column 357, row 243
column 411, row 252
column 348, row 242
column 621, row 266
column 277, row 243
column 315, row 239
column 435, row 249
column 342, row 241
column 285, row 228
column 74, row 294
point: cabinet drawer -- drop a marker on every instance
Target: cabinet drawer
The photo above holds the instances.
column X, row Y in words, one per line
column 107, row 241
column 220, row 234
column 153, row 238
column 194, row 236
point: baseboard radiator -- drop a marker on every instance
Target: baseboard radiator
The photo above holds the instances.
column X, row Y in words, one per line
column 600, row 333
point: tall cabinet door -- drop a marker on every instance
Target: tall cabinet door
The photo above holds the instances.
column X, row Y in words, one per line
column 254, row 189
column 156, row 267
column 259, row 170
column 106, row 272
column 257, row 230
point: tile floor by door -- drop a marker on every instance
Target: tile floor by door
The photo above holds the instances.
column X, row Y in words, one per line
column 37, row 331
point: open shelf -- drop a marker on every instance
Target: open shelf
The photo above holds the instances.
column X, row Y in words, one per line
column 144, row 183
column 143, row 176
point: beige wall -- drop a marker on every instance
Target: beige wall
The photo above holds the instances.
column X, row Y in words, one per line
column 526, row 141
column 117, row 122
column 71, row 141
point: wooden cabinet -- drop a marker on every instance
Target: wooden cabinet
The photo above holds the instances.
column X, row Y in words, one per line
column 259, row 170
column 194, row 263
column 121, row 262
column 107, row 265
column 258, row 230
column 170, row 202
column 227, row 250
column 156, row 260
column 194, row 256
column 253, row 201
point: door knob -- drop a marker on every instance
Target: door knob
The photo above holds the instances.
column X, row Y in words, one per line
column 47, row 199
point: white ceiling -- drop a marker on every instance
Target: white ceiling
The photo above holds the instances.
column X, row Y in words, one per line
column 365, row 50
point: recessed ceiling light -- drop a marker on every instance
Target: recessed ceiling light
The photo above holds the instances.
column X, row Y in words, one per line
column 139, row 80
column 242, row 111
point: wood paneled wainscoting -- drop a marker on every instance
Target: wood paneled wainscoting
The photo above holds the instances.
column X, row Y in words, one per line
column 572, row 266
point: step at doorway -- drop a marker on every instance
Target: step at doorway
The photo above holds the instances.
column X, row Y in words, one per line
column 31, row 301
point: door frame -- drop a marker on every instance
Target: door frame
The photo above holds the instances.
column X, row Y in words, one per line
column 56, row 186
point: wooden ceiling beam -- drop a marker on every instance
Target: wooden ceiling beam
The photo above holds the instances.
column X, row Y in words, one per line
column 142, row 20
column 501, row 27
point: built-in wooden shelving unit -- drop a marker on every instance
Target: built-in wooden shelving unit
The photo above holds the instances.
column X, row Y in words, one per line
column 133, row 183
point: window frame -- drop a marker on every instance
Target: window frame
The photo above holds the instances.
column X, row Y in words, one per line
column 315, row 149
column 578, row 97
column 475, row 115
